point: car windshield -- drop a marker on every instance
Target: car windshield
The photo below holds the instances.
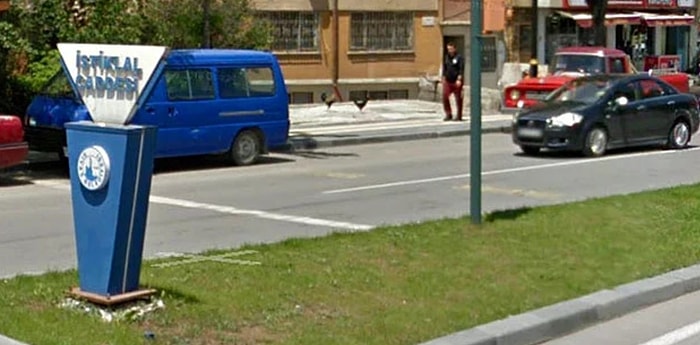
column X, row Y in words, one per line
column 580, row 91
column 578, row 63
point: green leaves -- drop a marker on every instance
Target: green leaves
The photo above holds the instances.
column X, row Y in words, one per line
column 30, row 30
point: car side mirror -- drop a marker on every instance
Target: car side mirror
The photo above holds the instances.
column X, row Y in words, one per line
column 618, row 104
column 621, row 101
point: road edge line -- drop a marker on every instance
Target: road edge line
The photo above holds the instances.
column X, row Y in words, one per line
column 563, row 318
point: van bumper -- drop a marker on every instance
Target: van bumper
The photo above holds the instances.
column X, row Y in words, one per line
column 45, row 139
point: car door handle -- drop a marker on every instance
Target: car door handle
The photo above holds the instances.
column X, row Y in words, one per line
column 172, row 112
column 150, row 110
column 671, row 103
column 641, row 107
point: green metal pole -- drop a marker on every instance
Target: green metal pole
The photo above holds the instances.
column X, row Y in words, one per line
column 475, row 113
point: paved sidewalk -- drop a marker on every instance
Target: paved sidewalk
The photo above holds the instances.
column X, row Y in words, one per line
column 317, row 126
column 9, row 341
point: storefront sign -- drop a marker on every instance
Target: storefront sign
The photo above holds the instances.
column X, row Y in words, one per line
column 633, row 4
column 661, row 3
column 611, row 4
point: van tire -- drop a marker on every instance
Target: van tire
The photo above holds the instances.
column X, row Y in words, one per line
column 246, row 148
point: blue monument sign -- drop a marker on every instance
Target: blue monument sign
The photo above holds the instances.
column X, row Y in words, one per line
column 110, row 164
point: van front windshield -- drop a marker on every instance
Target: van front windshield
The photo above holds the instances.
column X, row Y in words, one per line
column 58, row 87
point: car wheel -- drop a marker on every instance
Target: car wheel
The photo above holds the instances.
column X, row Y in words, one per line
column 596, row 142
column 246, row 148
column 679, row 136
column 530, row 150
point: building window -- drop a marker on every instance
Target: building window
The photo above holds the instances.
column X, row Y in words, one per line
column 301, row 97
column 381, row 31
column 398, row 94
column 294, row 31
column 488, row 54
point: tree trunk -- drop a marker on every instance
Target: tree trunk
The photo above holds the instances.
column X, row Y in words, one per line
column 598, row 9
column 206, row 32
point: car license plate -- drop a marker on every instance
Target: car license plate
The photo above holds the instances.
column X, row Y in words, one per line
column 537, row 95
column 530, row 132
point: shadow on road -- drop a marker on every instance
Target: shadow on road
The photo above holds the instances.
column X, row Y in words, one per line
column 320, row 155
column 13, row 181
column 506, row 214
column 52, row 169
column 574, row 155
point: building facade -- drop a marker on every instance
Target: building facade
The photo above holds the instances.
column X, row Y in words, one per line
column 639, row 27
column 382, row 47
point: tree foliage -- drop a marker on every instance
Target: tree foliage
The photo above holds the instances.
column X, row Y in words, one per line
column 31, row 29
column 598, row 9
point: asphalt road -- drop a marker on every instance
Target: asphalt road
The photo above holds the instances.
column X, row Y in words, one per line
column 200, row 204
column 671, row 323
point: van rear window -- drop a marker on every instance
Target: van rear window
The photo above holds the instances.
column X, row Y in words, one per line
column 189, row 84
column 246, row 82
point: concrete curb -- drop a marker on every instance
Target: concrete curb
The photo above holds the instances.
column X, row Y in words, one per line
column 8, row 341
column 309, row 143
column 563, row 318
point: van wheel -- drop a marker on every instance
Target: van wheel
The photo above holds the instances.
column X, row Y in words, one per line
column 246, row 148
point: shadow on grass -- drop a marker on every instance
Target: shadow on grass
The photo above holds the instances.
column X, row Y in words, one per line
column 512, row 214
column 174, row 294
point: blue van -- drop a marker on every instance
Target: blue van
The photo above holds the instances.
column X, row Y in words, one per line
column 205, row 101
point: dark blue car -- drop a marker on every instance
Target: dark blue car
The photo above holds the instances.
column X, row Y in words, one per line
column 596, row 113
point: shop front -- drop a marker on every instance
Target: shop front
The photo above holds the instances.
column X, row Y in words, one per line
column 647, row 30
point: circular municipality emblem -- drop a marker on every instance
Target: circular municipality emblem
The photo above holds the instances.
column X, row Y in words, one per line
column 93, row 168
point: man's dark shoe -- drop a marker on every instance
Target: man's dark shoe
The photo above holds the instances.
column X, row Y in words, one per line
column 459, row 119
column 447, row 118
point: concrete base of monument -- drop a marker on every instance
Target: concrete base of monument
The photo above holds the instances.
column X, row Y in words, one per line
column 112, row 300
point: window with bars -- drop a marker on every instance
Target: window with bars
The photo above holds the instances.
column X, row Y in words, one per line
column 381, row 31
column 293, row 31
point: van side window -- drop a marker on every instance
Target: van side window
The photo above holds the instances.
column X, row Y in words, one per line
column 233, row 83
column 193, row 84
column 262, row 82
column 246, row 82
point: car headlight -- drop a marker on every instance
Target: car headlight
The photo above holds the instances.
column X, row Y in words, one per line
column 565, row 120
column 515, row 94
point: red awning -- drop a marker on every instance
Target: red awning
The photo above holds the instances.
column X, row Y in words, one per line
column 651, row 19
column 585, row 20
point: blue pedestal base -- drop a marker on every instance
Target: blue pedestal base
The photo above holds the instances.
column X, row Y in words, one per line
column 110, row 169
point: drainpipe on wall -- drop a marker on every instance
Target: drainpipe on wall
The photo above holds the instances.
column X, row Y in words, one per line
column 336, row 50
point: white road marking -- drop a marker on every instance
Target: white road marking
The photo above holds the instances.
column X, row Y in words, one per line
column 260, row 214
column 676, row 336
column 505, row 171
column 233, row 211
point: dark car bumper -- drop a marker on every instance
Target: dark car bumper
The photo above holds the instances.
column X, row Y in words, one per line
column 45, row 139
column 538, row 134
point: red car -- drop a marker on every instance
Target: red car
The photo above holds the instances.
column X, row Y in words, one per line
column 13, row 148
column 573, row 62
